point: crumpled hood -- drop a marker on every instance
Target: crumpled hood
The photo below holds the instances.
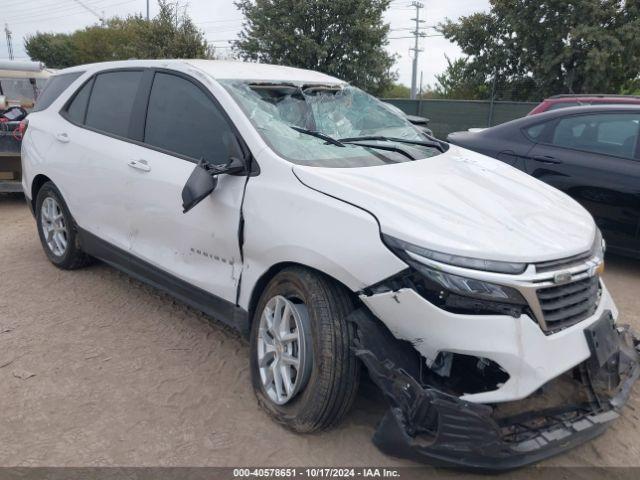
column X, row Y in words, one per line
column 464, row 203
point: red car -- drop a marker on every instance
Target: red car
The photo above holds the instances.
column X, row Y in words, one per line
column 563, row 101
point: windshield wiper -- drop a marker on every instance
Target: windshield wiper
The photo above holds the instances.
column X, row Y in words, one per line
column 380, row 138
column 356, row 141
column 319, row 135
column 379, row 147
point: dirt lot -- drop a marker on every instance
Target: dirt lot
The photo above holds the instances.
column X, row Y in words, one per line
column 98, row 369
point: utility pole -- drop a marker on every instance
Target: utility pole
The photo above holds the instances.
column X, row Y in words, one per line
column 420, row 96
column 9, row 43
column 147, row 10
column 417, row 34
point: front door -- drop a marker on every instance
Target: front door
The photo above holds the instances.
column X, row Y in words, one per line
column 593, row 158
column 184, row 124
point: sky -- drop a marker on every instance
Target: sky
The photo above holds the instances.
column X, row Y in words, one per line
column 221, row 21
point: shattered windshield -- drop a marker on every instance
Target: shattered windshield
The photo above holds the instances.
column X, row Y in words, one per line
column 302, row 122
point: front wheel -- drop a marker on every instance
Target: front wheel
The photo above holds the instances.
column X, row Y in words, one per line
column 303, row 371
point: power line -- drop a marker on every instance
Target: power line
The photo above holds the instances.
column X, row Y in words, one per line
column 46, row 13
column 50, row 8
column 413, row 36
column 31, row 20
column 412, row 28
column 89, row 9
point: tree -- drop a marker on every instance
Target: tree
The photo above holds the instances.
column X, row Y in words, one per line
column 167, row 35
column 539, row 48
column 459, row 82
column 396, row 90
column 54, row 49
column 343, row 38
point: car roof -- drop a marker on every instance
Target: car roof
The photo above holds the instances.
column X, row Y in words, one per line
column 591, row 97
column 563, row 112
column 221, row 69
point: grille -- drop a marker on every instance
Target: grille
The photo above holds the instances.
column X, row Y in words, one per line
column 562, row 263
column 565, row 305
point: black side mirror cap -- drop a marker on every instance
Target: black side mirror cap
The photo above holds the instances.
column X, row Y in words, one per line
column 203, row 180
column 199, row 185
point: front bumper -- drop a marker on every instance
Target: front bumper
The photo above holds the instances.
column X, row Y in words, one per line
column 518, row 345
column 428, row 425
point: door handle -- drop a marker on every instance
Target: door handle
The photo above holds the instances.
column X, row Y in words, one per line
column 547, row 159
column 140, row 165
column 63, row 137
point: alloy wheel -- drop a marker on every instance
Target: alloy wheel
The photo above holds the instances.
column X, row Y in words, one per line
column 284, row 356
column 54, row 226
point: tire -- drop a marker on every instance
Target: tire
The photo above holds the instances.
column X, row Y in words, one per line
column 334, row 371
column 71, row 256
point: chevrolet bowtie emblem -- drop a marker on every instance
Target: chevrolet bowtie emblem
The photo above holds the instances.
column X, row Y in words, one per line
column 562, row 277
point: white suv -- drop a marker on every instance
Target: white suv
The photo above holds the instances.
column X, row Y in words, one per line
column 321, row 223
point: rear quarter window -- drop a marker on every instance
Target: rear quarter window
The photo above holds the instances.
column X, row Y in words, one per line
column 534, row 132
column 54, row 88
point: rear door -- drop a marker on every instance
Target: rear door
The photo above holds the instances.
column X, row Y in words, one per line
column 594, row 158
column 93, row 148
column 183, row 124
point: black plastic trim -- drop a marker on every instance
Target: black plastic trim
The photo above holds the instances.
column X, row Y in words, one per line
column 212, row 305
column 426, row 424
column 138, row 120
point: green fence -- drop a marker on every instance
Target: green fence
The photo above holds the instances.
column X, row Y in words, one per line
column 454, row 115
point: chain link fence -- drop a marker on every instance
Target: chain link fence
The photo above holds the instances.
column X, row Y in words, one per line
column 448, row 116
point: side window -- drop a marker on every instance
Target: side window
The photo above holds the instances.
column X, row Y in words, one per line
column 534, row 132
column 112, row 101
column 609, row 134
column 77, row 109
column 54, row 88
column 182, row 119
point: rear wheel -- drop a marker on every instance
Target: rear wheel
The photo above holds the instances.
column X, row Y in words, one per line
column 56, row 229
column 303, row 371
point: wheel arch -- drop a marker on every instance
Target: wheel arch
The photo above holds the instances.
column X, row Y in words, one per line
column 36, row 184
column 262, row 282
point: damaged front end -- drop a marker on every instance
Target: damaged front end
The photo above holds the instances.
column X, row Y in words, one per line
column 429, row 424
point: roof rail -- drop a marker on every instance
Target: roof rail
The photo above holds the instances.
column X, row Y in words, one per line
column 593, row 95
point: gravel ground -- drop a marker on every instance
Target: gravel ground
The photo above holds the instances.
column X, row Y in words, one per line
column 97, row 369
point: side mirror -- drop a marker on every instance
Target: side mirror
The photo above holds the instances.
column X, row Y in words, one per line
column 199, row 185
column 203, row 180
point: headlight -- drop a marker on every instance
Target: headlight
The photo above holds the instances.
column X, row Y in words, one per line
column 454, row 292
column 400, row 247
column 599, row 245
column 470, row 287
column 598, row 250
